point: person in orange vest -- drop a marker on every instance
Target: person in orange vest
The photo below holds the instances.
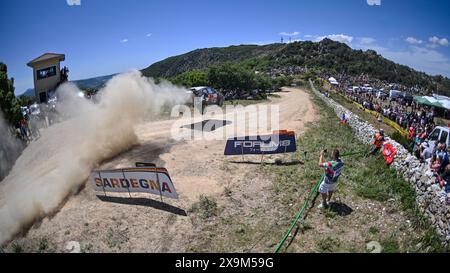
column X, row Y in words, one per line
column 378, row 142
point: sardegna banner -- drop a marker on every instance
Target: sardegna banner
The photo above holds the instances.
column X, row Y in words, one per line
column 278, row 143
column 146, row 180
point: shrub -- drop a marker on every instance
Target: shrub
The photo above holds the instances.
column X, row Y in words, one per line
column 206, row 207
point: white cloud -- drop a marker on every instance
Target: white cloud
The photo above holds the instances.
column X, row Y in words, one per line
column 366, row 40
column 436, row 41
column 149, row 34
column 124, row 41
column 262, row 42
column 374, row 2
column 421, row 58
column 337, row 37
column 295, row 33
column 73, row 2
column 295, row 40
column 413, row 41
column 418, row 57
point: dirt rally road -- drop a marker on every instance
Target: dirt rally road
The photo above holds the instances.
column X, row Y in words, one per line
column 142, row 223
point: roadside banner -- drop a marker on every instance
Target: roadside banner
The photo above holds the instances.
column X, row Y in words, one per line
column 389, row 153
column 142, row 179
column 278, row 143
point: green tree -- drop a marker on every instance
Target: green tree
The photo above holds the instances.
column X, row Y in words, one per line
column 191, row 79
column 263, row 81
column 231, row 76
column 9, row 104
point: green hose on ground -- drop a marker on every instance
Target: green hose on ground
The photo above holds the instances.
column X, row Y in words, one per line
column 312, row 194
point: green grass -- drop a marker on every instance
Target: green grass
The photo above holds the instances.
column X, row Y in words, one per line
column 17, row 248
column 44, row 245
column 273, row 95
column 206, row 207
column 328, row 244
column 115, row 237
column 374, row 230
column 390, row 245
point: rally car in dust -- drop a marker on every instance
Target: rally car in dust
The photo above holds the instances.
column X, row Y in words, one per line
column 206, row 95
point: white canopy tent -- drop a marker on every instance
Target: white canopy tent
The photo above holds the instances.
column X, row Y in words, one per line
column 435, row 100
column 333, row 81
column 444, row 100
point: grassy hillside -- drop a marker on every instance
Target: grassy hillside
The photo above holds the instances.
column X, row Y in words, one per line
column 93, row 83
column 203, row 58
column 327, row 55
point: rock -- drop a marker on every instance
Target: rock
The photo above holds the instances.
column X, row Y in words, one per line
column 270, row 244
column 435, row 188
column 374, row 247
column 73, row 247
column 424, row 179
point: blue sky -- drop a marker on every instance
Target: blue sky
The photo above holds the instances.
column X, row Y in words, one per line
column 101, row 37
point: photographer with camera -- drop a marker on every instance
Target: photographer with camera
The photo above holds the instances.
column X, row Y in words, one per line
column 333, row 170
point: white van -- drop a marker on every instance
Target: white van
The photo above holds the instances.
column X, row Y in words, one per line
column 395, row 94
column 439, row 134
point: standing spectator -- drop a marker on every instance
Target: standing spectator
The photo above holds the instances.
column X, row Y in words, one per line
column 442, row 155
column 24, row 128
column 378, row 142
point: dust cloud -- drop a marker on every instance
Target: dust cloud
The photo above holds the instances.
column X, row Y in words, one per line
column 59, row 162
column 10, row 147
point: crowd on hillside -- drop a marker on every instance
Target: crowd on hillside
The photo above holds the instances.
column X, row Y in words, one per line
column 362, row 79
column 286, row 71
column 406, row 114
column 417, row 119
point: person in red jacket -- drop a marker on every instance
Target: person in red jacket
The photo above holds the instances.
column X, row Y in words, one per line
column 411, row 136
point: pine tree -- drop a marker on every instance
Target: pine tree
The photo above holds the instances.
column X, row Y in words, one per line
column 9, row 104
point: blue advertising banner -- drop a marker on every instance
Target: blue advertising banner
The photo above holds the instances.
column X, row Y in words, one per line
column 278, row 143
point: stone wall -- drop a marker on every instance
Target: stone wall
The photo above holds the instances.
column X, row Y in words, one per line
column 429, row 196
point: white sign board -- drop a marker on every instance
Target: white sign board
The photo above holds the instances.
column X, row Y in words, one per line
column 147, row 180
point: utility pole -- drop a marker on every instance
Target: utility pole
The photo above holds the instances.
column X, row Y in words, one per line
column 282, row 40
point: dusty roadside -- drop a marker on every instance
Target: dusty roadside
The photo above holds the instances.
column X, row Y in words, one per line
column 140, row 224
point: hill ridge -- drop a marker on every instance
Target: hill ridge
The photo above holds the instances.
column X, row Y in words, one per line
column 327, row 55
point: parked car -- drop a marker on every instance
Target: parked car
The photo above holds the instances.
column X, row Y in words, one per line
column 395, row 94
column 24, row 110
column 439, row 134
column 382, row 95
column 35, row 109
column 408, row 98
